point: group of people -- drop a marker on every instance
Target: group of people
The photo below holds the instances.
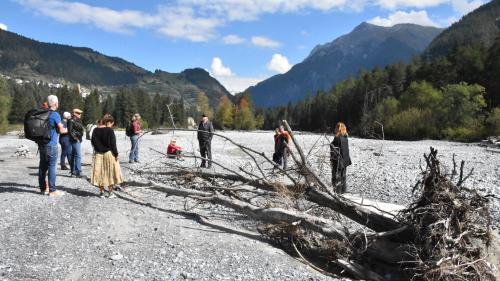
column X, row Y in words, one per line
column 106, row 172
column 339, row 154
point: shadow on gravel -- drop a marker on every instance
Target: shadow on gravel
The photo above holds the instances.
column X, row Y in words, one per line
column 15, row 187
column 196, row 217
column 77, row 192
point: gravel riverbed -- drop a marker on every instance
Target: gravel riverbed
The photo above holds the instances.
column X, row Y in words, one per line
column 80, row 236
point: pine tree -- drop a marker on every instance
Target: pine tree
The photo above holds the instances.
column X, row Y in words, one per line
column 92, row 109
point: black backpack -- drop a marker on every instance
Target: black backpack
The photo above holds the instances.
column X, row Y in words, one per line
column 36, row 125
column 129, row 130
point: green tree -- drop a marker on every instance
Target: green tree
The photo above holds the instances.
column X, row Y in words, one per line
column 5, row 103
column 224, row 113
column 493, row 122
column 22, row 102
column 243, row 117
column 92, row 109
column 203, row 105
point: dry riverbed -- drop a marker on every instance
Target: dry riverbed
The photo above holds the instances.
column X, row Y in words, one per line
column 83, row 237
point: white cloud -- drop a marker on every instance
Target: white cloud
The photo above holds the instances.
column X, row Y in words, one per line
column 232, row 39
column 265, row 42
column 464, row 6
column 279, row 64
column 394, row 4
column 218, row 69
column 3, row 26
column 416, row 17
column 174, row 22
column 238, row 84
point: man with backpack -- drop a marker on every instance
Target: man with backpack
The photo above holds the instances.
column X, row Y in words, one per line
column 75, row 131
column 43, row 127
column 134, row 131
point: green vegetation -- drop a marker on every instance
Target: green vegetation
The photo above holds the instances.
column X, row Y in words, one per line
column 453, row 97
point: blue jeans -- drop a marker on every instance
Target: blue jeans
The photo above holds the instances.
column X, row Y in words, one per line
column 65, row 150
column 48, row 163
column 76, row 158
column 134, row 150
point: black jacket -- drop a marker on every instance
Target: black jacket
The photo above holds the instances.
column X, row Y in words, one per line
column 205, row 131
column 339, row 151
column 75, row 129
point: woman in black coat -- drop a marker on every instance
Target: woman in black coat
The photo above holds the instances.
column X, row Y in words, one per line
column 339, row 156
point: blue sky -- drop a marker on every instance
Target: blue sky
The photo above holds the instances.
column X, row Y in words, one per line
column 240, row 42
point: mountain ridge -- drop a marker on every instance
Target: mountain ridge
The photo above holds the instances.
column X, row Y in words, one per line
column 363, row 48
column 26, row 58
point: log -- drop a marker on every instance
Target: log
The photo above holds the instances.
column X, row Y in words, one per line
column 364, row 216
column 358, row 271
column 324, row 226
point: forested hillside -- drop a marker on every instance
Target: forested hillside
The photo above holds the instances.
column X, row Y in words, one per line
column 454, row 96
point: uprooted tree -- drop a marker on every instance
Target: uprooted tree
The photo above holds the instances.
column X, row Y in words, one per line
column 443, row 235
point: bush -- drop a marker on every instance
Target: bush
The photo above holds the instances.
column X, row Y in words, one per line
column 493, row 122
column 473, row 131
column 412, row 124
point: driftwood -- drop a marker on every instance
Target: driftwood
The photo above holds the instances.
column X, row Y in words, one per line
column 414, row 244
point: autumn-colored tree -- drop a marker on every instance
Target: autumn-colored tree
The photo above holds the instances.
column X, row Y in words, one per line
column 224, row 113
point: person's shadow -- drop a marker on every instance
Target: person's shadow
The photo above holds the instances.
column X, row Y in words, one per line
column 6, row 187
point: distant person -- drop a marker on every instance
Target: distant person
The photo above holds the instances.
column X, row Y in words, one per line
column 282, row 145
column 276, row 156
column 135, row 133
column 75, row 131
column 48, row 152
column 205, row 134
column 65, row 143
column 174, row 151
column 106, row 170
column 339, row 158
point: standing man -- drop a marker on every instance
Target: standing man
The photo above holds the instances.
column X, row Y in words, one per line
column 134, row 138
column 75, row 131
column 48, row 152
column 205, row 134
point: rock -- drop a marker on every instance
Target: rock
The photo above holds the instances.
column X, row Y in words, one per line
column 116, row 257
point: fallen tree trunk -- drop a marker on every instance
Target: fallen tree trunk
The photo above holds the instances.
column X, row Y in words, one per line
column 272, row 215
column 364, row 216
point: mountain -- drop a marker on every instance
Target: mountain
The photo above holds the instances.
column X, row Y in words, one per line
column 28, row 59
column 365, row 47
column 482, row 25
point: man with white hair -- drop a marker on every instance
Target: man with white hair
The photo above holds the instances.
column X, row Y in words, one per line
column 48, row 152
column 65, row 144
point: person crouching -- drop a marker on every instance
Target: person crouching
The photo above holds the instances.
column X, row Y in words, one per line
column 105, row 166
column 174, row 151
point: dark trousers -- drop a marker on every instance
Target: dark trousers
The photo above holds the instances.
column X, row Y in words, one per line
column 339, row 177
column 65, row 150
column 206, row 152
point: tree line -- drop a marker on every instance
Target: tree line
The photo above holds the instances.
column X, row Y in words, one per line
column 454, row 97
column 156, row 110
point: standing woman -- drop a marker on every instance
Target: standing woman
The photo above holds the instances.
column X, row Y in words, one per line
column 134, row 138
column 105, row 166
column 339, row 157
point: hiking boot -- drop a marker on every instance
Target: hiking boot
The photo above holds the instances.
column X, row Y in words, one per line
column 130, row 161
column 56, row 193
column 111, row 195
column 101, row 194
column 64, row 168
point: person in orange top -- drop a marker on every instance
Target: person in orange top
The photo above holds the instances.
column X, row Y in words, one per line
column 283, row 146
column 174, row 151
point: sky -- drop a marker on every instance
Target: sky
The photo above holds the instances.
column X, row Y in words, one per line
column 240, row 42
